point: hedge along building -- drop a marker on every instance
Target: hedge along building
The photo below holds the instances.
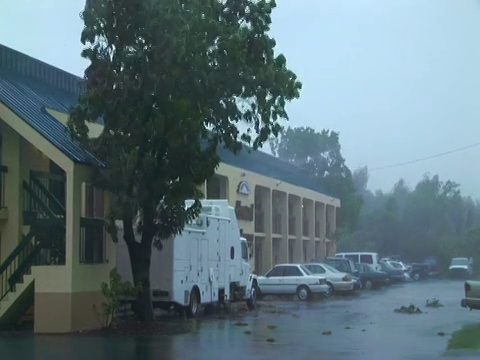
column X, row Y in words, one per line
column 54, row 252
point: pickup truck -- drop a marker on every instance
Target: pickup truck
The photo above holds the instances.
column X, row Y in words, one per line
column 472, row 295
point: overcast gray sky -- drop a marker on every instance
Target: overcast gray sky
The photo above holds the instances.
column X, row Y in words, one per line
column 399, row 79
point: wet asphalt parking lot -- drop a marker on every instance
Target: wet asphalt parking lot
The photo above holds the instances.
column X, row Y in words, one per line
column 360, row 326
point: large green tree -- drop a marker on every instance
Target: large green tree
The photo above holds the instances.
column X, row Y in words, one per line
column 170, row 80
column 319, row 154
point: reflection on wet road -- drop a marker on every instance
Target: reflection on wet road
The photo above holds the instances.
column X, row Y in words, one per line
column 347, row 327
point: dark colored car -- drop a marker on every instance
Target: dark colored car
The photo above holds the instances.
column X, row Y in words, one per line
column 346, row 266
column 370, row 277
column 394, row 274
column 421, row 270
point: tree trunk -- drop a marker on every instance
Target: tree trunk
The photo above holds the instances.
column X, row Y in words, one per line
column 140, row 259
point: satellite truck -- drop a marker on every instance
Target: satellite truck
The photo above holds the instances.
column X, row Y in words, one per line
column 207, row 264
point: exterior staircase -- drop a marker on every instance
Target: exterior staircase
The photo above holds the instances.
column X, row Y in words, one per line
column 43, row 243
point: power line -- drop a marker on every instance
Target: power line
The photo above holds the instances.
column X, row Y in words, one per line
column 425, row 158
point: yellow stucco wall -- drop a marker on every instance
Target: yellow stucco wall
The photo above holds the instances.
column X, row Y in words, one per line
column 73, row 281
column 31, row 151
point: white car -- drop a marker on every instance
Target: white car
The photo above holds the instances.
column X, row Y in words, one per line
column 338, row 281
column 285, row 279
column 401, row 266
column 461, row 266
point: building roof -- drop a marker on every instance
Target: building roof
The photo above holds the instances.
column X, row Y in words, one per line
column 268, row 165
column 29, row 86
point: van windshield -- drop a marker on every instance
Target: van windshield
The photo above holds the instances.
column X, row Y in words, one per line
column 459, row 261
column 244, row 251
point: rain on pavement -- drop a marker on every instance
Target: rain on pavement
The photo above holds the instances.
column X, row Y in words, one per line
column 360, row 326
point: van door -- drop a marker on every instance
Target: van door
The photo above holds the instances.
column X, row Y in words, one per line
column 193, row 271
column 371, row 260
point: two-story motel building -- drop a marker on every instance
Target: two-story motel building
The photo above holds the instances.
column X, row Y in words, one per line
column 54, row 252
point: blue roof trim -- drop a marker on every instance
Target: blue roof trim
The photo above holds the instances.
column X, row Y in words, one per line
column 28, row 87
column 265, row 164
column 28, row 98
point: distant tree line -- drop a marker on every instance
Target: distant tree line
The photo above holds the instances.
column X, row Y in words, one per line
column 430, row 219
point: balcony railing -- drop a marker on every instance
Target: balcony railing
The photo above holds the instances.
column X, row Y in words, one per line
column 277, row 224
column 259, row 221
column 3, row 171
column 291, row 226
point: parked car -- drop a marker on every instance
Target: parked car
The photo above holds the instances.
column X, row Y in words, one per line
column 346, row 266
column 472, row 295
column 461, row 266
column 341, row 264
column 371, row 258
column 424, row 269
column 286, row 279
column 401, row 266
column 370, row 277
column 394, row 274
column 338, row 281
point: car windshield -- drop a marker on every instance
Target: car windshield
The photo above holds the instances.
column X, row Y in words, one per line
column 459, row 261
column 369, row 267
column 331, row 268
column 305, row 270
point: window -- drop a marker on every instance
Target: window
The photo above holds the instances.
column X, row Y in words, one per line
column 316, row 269
column 94, row 202
column 354, row 258
column 292, row 271
column 276, row 271
column 92, row 241
column 342, row 266
column 244, row 251
column 366, row 259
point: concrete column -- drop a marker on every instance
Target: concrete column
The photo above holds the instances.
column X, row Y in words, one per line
column 283, row 207
column 311, row 224
column 298, row 248
column 267, row 247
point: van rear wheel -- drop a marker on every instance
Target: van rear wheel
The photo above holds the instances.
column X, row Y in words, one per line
column 193, row 307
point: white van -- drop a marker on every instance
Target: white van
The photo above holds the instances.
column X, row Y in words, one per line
column 371, row 258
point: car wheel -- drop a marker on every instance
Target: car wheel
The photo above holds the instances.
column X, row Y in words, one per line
column 331, row 289
column 368, row 285
column 416, row 276
column 303, row 293
column 252, row 302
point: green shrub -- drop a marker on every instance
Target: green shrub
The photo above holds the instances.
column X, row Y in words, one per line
column 113, row 292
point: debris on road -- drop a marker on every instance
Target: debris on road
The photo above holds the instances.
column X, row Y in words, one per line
column 241, row 324
column 412, row 309
column 434, row 302
column 327, row 332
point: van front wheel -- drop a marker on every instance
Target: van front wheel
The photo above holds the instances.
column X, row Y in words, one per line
column 193, row 307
